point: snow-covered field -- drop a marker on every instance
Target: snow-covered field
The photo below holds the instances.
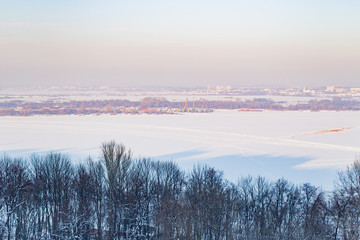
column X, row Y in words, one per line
column 62, row 96
column 299, row 146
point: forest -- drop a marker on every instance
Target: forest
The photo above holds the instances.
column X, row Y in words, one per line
column 118, row 196
column 162, row 106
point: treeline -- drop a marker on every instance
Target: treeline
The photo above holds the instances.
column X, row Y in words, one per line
column 20, row 108
column 119, row 197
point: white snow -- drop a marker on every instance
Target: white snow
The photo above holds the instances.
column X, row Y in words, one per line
column 277, row 135
column 83, row 95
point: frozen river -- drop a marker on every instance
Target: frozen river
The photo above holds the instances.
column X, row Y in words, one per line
column 299, row 146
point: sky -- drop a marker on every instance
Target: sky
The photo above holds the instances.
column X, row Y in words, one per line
column 188, row 43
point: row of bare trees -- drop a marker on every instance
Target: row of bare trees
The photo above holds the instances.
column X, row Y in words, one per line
column 117, row 106
column 119, row 197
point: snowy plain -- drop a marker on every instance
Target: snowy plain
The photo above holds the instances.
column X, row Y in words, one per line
column 77, row 95
column 299, row 146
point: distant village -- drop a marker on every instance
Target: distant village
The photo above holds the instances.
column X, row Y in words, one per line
column 327, row 98
column 320, row 91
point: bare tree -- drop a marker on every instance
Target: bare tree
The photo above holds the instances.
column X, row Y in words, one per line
column 206, row 199
column 167, row 191
column 119, row 197
column 98, row 184
column 58, row 177
column 15, row 187
column 83, row 207
column 346, row 203
column 116, row 161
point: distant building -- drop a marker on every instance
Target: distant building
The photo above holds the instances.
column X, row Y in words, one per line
column 223, row 88
column 330, row 89
column 340, row 90
column 355, row 89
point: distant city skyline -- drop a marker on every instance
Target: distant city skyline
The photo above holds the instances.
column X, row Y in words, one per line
column 186, row 43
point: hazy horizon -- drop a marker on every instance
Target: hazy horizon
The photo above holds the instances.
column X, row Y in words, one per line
column 187, row 43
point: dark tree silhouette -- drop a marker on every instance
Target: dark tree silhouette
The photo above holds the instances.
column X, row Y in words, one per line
column 119, row 197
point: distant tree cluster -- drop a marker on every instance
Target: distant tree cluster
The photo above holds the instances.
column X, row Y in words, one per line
column 162, row 105
column 119, row 197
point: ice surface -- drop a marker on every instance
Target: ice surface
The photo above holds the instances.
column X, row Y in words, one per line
column 272, row 144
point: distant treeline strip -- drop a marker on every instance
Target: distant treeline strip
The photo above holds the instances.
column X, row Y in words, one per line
column 21, row 108
column 119, row 197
